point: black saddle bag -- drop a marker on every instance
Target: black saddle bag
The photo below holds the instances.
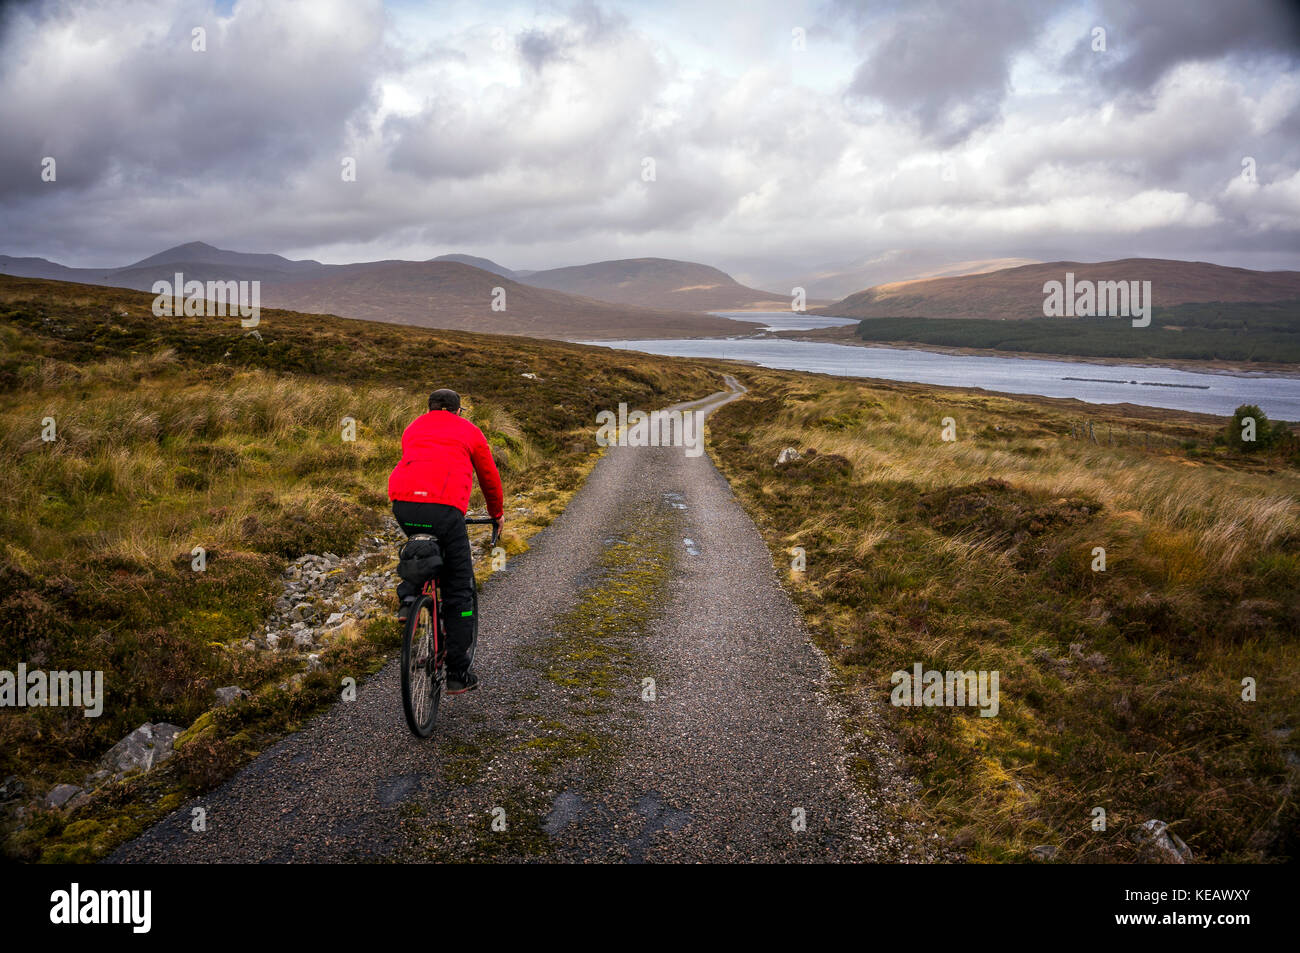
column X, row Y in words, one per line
column 419, row 560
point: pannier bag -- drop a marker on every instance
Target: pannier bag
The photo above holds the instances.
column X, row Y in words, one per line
column 419, row 559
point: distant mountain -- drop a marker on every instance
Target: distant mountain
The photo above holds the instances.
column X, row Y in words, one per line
column 658, row 283
column 835, row 280
column 451, row 291
column 487, row 264
column 142, row 278
column 978, row 267
column 203, row 253
column 449, row 294
column 196, row 260
column 1017, row 293
column 44, row 268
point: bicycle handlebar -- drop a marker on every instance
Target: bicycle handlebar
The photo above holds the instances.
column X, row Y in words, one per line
column 496, row 534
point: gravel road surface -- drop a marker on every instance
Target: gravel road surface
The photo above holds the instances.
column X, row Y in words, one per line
column 649, row 695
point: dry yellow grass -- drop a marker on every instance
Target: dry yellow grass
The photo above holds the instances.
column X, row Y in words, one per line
column 1119, row 688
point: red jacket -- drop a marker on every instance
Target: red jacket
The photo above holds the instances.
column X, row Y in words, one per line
column 438, row 451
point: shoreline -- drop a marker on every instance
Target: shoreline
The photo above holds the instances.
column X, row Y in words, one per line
column 1227, row 368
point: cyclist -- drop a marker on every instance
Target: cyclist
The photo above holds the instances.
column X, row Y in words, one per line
column 430, row 489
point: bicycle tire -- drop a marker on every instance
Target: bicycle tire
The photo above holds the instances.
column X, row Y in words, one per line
column 422, row 671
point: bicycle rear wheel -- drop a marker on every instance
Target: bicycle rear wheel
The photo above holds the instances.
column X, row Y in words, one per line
column 422, row 670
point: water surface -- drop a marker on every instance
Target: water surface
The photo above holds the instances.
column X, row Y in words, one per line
column 1206, row 392
column 787, row 320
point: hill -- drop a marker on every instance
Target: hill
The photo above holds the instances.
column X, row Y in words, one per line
column 1017, row 293
column 835, row 280
column 202, row 252
column 487, row 264
column 196, row 260
column 29, row 267
column 451, row 291
column 659, row 283
column 448, row 294
column 1243, row 333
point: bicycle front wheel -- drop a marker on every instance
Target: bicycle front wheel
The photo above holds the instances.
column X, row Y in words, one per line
column 422, row 671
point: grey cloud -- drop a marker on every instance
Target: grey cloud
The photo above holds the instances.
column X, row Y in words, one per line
column 537, row 47
column 1146, row 40
column 241, row 149
column 586, row 23
column 268, row 94
column 944, row 64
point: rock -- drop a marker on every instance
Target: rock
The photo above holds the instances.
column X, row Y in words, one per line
column 530, row 376
column 230, row 694
column 313, row 663
column 1043, row 852
column 143, row 748
column 304, row 639
column 334, row 619
column 273, row 641
column 60, row 795
column 303, row 611
column 1160, row 840
column 10, row 788
column 294, row 681
column 788, row 455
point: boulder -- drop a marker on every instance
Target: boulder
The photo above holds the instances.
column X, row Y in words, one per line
column 60, row 795
column 230, row 694
column 142, row 749
column 1159, row 840
column 788, row 455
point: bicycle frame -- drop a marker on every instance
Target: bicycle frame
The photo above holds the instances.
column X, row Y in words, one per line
column 431, row 590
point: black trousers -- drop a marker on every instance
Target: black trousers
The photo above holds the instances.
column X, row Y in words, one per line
column 447, row 525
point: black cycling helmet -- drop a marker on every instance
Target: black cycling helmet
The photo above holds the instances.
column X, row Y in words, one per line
column 444, row 400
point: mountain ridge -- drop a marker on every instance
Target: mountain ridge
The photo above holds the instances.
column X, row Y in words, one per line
column 1017, row 293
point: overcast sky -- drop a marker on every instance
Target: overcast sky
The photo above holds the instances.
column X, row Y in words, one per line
column 786, row 136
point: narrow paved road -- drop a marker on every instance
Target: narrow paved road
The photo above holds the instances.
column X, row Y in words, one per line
column 648, row 695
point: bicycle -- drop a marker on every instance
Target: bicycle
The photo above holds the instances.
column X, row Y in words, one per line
column 423, row 652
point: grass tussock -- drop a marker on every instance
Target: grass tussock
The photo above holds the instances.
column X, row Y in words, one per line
column 1120, row 689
